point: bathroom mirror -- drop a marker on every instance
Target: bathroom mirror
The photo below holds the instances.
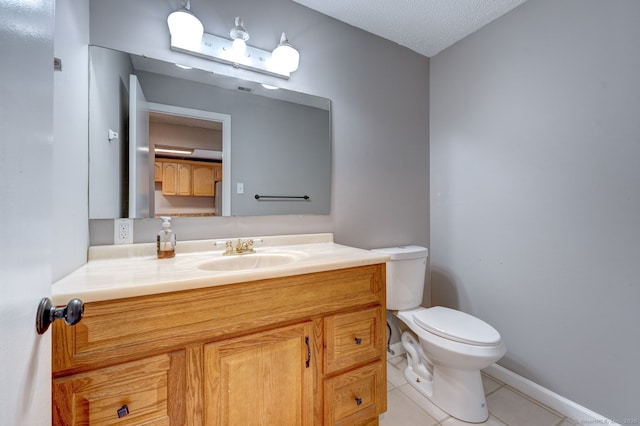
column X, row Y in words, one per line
column 255, row 150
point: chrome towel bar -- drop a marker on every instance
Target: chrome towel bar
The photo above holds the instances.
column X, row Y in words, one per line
column 282, row 197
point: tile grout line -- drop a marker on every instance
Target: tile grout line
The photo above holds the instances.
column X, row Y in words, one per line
column 404, row 395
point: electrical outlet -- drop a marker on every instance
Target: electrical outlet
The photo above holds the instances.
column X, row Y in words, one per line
column 123, row 231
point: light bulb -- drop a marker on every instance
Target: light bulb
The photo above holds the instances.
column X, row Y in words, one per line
column 185, row 28
column 239, row 46
column 285, row 56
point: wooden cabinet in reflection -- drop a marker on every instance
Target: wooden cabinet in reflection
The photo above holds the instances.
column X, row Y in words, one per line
column 188, row 178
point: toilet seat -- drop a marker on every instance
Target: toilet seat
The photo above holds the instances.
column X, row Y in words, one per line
column 457, row 326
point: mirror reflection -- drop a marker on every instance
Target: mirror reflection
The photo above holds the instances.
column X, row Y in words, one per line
column 169, row 141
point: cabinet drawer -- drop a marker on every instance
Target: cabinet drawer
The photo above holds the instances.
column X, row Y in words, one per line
column 140, row 392
column 353, row 338
column 356, row 397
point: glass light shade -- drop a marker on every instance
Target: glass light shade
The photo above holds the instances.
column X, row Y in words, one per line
column 185, row 28
column 238, row 32
column 285, row 56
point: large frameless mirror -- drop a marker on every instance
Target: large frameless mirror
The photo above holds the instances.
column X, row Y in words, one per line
column 170, row 141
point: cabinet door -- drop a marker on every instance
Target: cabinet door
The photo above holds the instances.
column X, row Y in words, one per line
column 203, row 180
column 169, row 178
column 184, row 179
column 157, row 172
column 149, row 391
column 260, row 379
column 217, row 172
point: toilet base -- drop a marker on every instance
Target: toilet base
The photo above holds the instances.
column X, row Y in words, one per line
column 459, row 393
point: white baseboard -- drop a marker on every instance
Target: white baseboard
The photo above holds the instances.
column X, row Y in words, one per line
column 562, row 405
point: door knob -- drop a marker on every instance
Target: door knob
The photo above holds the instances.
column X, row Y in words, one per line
column 47, row 313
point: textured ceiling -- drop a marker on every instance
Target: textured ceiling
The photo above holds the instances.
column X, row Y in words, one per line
column 424, row 26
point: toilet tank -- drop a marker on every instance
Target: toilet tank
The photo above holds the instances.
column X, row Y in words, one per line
column 405, row 276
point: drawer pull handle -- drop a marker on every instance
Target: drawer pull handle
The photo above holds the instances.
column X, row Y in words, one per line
column 123, row 411
column 358, row 401
column 306, row 340
column 358, row 341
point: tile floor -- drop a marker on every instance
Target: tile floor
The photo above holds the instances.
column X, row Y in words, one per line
column 406, row 407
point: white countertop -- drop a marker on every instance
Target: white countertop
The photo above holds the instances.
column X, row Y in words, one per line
column 115, row 272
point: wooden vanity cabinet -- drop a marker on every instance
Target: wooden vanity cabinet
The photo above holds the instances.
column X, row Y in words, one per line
column 301, row 350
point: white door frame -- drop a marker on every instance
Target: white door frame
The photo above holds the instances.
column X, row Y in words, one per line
column 226, row 142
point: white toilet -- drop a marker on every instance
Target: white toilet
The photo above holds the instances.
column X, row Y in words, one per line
column 453, row 346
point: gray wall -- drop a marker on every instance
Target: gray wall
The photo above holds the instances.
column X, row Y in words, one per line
column 379, row 94
column 70, row 130
column 109, row 72
column 535, row 196
column 277, row 147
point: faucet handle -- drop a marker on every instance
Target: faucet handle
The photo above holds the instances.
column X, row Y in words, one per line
column 251, row 242
column 227, row 244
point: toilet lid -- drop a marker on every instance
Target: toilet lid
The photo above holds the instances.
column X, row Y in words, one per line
column 457, row 326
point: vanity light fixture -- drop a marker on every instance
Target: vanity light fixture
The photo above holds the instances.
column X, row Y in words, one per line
column 234, row 51
column 173, row 150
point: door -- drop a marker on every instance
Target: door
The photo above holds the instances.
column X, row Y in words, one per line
column 141, row 181
column 26, row 120
column 262, row 379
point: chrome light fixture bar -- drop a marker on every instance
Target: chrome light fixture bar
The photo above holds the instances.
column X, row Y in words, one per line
column 234, row 51
column 220, row 49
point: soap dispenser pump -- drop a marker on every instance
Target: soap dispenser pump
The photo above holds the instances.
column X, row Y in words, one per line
column 166, row 240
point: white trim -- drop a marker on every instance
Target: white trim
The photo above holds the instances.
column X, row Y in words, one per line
column 562, row 405
column 226, row 142
column 543, row 395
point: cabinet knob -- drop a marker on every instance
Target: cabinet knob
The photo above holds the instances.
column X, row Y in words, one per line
column 358, row 401
column 123, row 411
column 358, row 341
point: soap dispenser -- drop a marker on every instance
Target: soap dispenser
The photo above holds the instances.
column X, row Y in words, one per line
column 166, row 240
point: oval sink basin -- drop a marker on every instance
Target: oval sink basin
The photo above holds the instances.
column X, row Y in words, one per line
column 247, row 261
